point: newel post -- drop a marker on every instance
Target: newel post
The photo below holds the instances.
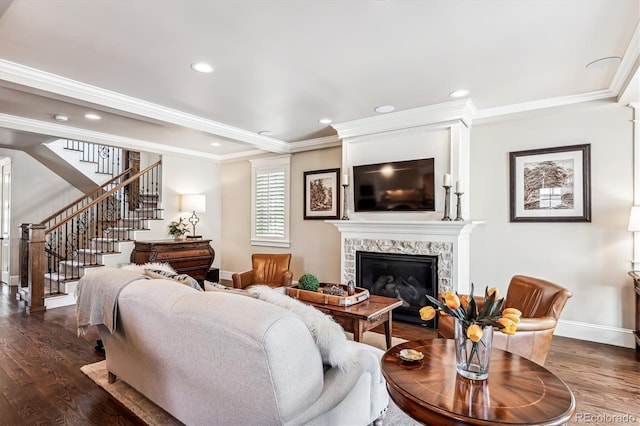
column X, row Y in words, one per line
column 32, row 265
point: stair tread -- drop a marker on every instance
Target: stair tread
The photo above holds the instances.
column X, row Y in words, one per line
column 79, row 264
column 51, row 295
column 57, row 276
column 89, row 250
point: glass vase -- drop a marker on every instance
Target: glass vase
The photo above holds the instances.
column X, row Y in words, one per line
column 472, row 358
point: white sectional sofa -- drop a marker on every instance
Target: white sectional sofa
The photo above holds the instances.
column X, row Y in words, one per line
column 217, row 358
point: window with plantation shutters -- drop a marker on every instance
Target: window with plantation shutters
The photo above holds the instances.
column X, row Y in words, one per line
column 270, row 201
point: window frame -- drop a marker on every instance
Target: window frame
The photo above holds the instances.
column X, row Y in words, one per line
column 265, row 165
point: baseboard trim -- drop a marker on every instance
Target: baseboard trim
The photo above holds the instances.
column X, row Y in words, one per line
column 225, row 275
column 596, row 333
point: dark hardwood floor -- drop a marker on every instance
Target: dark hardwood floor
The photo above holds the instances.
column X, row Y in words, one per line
column 41, row 382
column 40, row 378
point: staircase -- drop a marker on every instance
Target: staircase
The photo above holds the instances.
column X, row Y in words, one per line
column 96, row 231
column 112, row 250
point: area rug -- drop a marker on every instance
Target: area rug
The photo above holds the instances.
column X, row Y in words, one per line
column 153, row 415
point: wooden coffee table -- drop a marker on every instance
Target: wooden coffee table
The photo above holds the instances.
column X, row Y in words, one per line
column 363, row 316
column 517, row 392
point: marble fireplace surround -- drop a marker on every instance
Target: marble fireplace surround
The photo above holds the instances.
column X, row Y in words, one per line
column 448, row 240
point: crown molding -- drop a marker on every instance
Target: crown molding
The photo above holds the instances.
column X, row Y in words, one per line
column 458, row 110
column 295, row 147
column 313, row 144
column 68, row 132
column 41, row 80
column 628, row 65
column 244, row 155
column 544, row 103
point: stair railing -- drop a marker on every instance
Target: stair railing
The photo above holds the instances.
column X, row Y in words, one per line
column 81, row 202
column 75, row 237
column 106, row 158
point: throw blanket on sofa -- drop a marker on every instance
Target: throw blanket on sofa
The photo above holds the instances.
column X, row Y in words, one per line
column 97, row 298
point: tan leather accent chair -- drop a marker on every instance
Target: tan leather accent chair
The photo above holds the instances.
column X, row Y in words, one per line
column 266, row 269
column 540, row 302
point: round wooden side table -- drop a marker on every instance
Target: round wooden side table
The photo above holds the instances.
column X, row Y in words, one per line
column 517, row 392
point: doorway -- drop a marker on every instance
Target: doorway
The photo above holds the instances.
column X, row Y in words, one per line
column 5, row 221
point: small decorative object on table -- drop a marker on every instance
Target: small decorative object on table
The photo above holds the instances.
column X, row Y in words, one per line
column 474, row 328
column 308, row 282
column 327, row 294
column 334, row 290
column 351, row 287
column 411, row 355
column 178, row 229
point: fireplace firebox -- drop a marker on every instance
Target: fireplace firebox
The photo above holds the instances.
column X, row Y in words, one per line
column 406, row 277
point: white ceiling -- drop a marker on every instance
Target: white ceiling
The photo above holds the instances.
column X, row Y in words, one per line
column 283, row 65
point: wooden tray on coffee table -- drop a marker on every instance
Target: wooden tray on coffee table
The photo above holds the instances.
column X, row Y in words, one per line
column 319, row 297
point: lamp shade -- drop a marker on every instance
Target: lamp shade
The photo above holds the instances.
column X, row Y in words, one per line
column 193, row 203
column 634, row 219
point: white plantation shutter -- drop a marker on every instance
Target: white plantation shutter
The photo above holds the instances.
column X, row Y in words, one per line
column 270, row 213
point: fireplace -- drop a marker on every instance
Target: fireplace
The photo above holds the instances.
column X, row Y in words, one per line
column 408, row 277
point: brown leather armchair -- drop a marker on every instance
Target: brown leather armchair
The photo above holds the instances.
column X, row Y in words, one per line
column 540, row 302
column 266, row 269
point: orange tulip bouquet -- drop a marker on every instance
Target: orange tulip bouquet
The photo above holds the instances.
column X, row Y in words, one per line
column 474, row 327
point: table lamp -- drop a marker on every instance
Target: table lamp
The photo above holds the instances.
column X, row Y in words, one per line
column 193, row 203
column 634, row 226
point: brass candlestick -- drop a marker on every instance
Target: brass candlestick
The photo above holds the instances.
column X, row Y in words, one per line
column 447, row 195
column 344, row 203
column 459, row 207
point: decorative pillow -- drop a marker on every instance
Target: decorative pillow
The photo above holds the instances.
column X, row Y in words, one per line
column 181, row 278
column 328, row 334
column 156, row 266
column 209, row 286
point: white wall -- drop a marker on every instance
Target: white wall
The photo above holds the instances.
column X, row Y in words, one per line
column 182, row 175
column 591, row 259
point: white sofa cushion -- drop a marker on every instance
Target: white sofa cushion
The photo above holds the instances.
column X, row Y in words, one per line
column 328, row 334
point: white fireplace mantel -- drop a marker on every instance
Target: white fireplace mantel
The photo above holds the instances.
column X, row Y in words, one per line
column 429, row 227
column 448, row 240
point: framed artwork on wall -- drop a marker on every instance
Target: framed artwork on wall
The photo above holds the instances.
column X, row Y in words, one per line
column 322, row 194
column 551, row 184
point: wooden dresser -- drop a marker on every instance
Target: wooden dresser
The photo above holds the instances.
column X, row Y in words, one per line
column 191, row 257
column 636, row 284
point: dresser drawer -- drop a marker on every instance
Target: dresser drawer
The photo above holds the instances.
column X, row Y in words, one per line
column 182, row 254
column 191, row 257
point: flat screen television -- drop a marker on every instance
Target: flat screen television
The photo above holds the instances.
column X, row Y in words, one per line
column 394, row 186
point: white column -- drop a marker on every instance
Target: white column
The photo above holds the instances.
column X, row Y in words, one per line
column 460, row 138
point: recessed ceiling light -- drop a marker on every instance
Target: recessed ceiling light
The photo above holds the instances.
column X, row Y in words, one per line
column 61, row 117
column 202, row 67
column 383, row 109
column 92, row 116
column 266, row 133
column 325, row 121
column 604, row 63
column 459, row 93
column 216, row 144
